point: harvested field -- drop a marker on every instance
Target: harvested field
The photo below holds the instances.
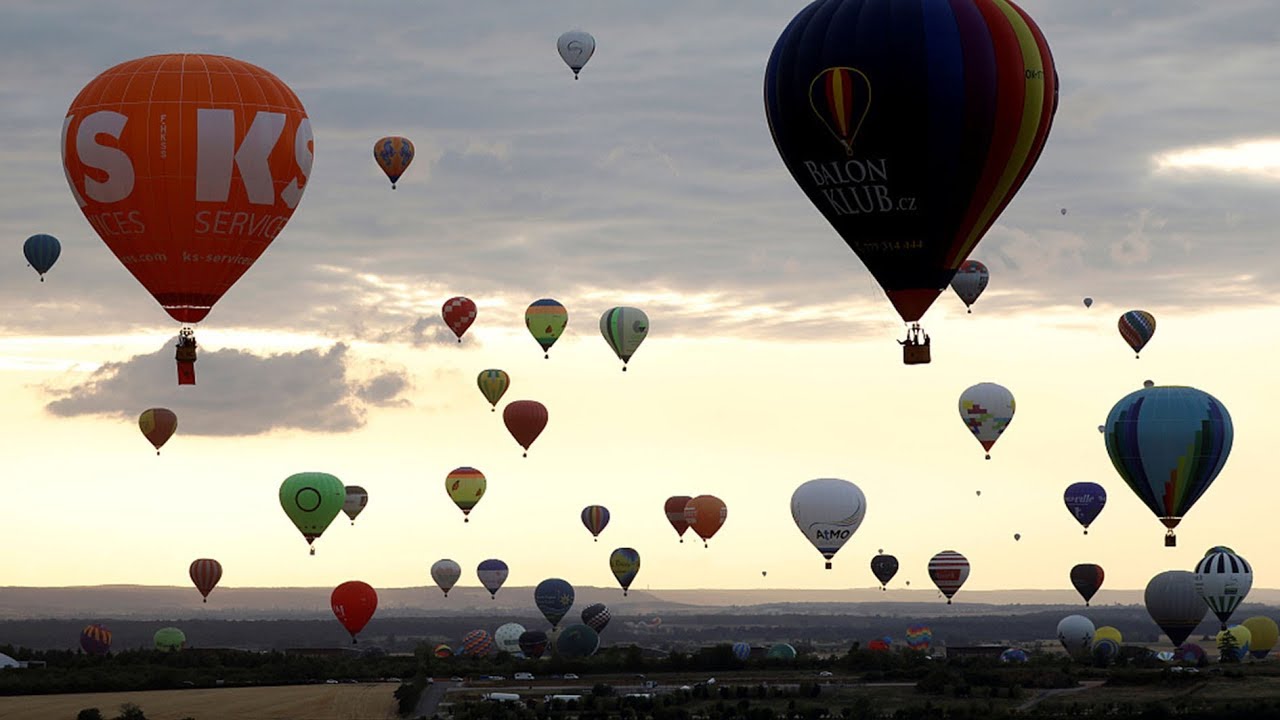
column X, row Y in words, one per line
column 369, row 701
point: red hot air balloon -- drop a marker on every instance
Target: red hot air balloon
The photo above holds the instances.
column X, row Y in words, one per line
column 674, row 508
column 353, row 603
column 205, row 573
column 525, row 420
column 948, row 570
column 910, row 125
column 157, row 426
column 705, row 514
column 459, row 313
column 188, row 166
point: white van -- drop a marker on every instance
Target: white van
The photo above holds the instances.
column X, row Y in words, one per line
column 523, row 676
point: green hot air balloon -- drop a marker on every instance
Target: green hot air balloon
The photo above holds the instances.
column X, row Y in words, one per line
column 312, row 500
column 577, row 641
column 169, row 639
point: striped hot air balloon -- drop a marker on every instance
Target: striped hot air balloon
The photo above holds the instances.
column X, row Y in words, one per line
column 948, row 570
column 624, row 328
column 493, row 385
column 1222, row 580
column 477, row 643
column 95, row 639
column 595, row 518
column 1137, row 327
column 205, row 573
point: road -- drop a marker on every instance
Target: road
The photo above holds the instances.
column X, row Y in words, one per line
column 431, row 698
column 1085, row 685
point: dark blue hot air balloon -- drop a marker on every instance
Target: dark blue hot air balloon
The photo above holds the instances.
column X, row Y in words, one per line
column 911, row 124
column 553, row 597
column 42, row 252
column 1084, row 501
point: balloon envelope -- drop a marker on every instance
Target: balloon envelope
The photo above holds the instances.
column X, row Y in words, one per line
column 553, row 597
column 1137, row 327
column 445, row 573
column 466, row 486
column 492, row 573
column 624, row 328
column 910, row 129
column 595, row 518
column 353, row 603
column 919, row 637
column 205, row 574
column 477, row 643
column 1174, row 605
column 525, row 420
column 674, row 508
column 507, row 637
column 458, row 313
column 624, row 563
column 493, row 385
column 1222, row 579
column 393, row 154
column 1084, row 500
column 1242, row 638
column 577, row 641
column 546, row 320
column 781, row 651
column 706, row 515
column 970, row 280
column 188, row 166
column 1263, row 634
column 42, row 252
column 596, row 616
column 533, row 643
column 1075, row 632
column 828, row 511
column 741, row 650
column 576, row 48
column 948, row 570
column 1088, row 302
column 884, row 567
column 1168, row 444
column 169, row 639
column 357, row 498
column 1087, row 578
column 986, row 409
column 157, row 426
column 95, row 639
column 312, row 500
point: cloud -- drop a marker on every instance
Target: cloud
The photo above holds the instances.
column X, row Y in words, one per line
column 239, row 393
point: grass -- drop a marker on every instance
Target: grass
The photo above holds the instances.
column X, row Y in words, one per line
column 314, row 702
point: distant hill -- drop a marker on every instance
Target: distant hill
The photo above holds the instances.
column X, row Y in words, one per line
column 154, row 602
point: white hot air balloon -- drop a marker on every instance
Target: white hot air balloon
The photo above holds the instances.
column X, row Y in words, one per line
column 1222, row 580
column 986, row 409
column 1075, row 632
column 446, row 573
column 507, row 637
column 357, row 498
column 969, row 281
column 624, row 328
column 828, row 511
column 576, row 48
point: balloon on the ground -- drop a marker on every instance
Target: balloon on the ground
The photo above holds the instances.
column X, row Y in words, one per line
column 507, row 637
column 1013, row 655
column 353, row 603
column 393, row 154
column 1168, row 444
column 42, row 252
column 577, row 641
column 312, row 500
column 477, row 643
column 1075, row 632
column 781, row 651
column 95, row 639
column 446, row 573
column 442, row 651
column 1239, row 637
column 1174, row 605
column 1108, row 632
column 828, row 511
column 1263, row 634
column 741, row 650
column 205, row 574
column 986, row 409
column 919, row 637
column 533, row 643
column 1223, row 580
column 169, row 639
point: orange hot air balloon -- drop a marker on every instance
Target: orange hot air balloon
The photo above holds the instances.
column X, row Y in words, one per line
column 674, row 508
column 525, row 420
column 205, row 573
column 187, row 166
column 705, row 515
column 353, row 603
column 158, row 425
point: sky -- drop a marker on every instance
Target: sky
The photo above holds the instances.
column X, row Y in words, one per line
column 652, row 181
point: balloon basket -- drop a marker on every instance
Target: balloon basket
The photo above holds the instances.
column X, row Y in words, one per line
column 1170, row 540
column 828, row 565
column 915, row 355
column 313, row 551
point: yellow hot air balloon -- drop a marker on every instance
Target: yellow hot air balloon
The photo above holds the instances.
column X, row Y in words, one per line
column 1107, row 632
column 465, row 486
column 1263, row 634
column 493, row 384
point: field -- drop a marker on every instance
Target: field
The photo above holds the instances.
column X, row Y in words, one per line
column 372, row 701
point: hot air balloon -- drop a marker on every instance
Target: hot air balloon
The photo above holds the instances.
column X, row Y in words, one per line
column 1190, row 654
column 353, row 603
column 742, row 650
column 1064, row 211
column 986, row 409
column 1263, row 634
column 828, row 512
column 596, row 617
column 705, row 514
column 442, row 651
column 492, row 573
column 1087, row 578
column 533, row 643
column 624, row 563
column 884, row 567
column 188, row 166
column 393, row 154
column 205, row 574
column 1137, row 327
column 595, row 518
column 1085, row 500
column 553, row 597
column 1017, row 537
column 157, row 425
column 624, row 328
column 546, row 320
column 919, row 637
column 169, row 639
column 357, row 498
column 1014, row 655
column 674, row 508
column 1106, row 632
column 1241, row 638
column 1168, row 444
column 1088, row 302
column 525, row 420
column 312, row 500
column 576, row 48
column 948, row 570
column 507, row 637
column 477, row 643
column 964, row 95
column 465, row 486
column 458, row 313
column 445, row 573
column 577, row 641
column 969, row 282
column 1075, row 632
column 1222, row 579
column 781, row 651
column 493, row 385
column 1174, row 605
column 95, row 639
column 42, row 252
